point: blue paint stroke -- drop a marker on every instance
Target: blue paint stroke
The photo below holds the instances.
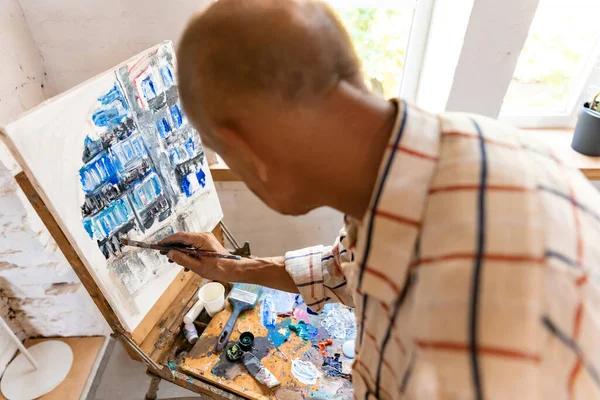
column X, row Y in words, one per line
column 279, row 333
column 167, row 76
column 304, row 330
column 108, row 220
column 109, row 117
column 176, row 115
column 190, row 147
column 201, row 177
column 128, row 153
column 268, row 316
column 163, row 127
column 97, row 172
column 144, row 192
column 148, row 88
column 332, row 366
column 112, row 95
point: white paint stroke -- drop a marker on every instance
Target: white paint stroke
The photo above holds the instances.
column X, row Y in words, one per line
column 305, row 371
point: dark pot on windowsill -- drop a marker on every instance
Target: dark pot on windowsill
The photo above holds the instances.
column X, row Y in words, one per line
column 586, row 139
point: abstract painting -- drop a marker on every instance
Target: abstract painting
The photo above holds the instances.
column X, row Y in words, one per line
column 142, row 162
column 121, row 160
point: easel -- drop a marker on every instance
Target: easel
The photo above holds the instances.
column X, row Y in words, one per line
column 156, row 335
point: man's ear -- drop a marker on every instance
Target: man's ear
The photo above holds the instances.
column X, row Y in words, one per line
column 231, row 137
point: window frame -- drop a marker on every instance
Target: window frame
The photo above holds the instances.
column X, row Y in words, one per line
column 417, row 40
column 590, row 76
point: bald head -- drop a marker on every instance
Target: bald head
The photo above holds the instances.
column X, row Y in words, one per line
column 238, row 55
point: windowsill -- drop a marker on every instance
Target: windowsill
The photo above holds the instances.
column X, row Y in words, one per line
column 558, row 139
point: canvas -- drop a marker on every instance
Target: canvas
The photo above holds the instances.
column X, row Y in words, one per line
column 117, row 158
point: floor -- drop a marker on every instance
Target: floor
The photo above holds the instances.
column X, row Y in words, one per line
column 121, row 378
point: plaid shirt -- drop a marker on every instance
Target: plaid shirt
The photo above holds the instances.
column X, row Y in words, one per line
column 475, row 272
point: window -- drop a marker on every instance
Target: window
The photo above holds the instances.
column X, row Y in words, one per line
column 555, row 70
column 380, row 30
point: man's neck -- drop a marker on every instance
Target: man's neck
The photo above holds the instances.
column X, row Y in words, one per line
column 364, row 124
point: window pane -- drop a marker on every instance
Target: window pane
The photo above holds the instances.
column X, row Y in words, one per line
column 557, row 52
column 380, row 36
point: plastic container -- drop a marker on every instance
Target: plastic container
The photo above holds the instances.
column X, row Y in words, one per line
column 212, row 296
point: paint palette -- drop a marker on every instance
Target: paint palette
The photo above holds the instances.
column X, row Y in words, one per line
column 293, row 356
column 113, row 158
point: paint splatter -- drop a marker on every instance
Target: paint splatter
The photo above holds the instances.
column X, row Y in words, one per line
column 172, row 365
column 304, row 330
column 339, row 321
column 268, row 316
column 279, row 333
column 305, row 371
column 332, row 367
column 313, row 356
column 301, row 315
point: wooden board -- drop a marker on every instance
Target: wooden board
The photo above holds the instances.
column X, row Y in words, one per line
column 202, row 359
column 86, row 351
column 116, row 157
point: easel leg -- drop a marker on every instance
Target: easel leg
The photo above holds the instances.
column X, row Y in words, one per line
column 153, row 388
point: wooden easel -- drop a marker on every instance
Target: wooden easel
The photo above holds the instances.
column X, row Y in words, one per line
column 156, row 336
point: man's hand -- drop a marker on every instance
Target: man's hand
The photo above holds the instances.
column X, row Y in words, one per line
column 217, row 269
column 261, row 271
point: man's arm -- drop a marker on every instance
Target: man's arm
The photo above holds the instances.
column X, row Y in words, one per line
column 268, row 271
column 315, row 272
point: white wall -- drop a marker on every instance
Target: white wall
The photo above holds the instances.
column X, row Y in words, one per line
column 77, row 40
column 269, row 233
column 81, row 38
column 40, row 294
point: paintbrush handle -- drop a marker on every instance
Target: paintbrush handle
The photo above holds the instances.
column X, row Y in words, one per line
column 227, row 329
column 206, row 253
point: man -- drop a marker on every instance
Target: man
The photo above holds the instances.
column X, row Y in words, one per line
column 470, row 255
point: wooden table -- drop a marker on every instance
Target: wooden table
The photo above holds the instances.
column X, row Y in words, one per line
column 202, row 361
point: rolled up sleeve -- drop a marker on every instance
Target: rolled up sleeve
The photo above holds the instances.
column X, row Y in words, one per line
column 318, row 275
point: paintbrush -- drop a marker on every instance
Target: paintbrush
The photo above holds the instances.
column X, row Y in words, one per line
column 189, row 250
column 242, row 297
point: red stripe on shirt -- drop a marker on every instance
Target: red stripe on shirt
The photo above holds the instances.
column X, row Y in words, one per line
column 582, row 280
column 383, row 277
column 486, row 350
column 577, row 321
column 500, row 188
column 336, row 295
column 414, row 153
column 397, row 218
column 487, row 257
column 486, row 140
column 573, row 377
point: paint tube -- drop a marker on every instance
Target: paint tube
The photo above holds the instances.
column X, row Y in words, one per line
column 191, row 334
column 259, row 371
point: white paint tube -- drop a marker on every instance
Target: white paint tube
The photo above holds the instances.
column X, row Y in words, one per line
column 191, row 333
column 259, row 371
column 191, row 315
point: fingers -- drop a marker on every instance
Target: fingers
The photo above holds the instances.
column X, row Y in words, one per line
column 198, row 265
column 188, row 238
